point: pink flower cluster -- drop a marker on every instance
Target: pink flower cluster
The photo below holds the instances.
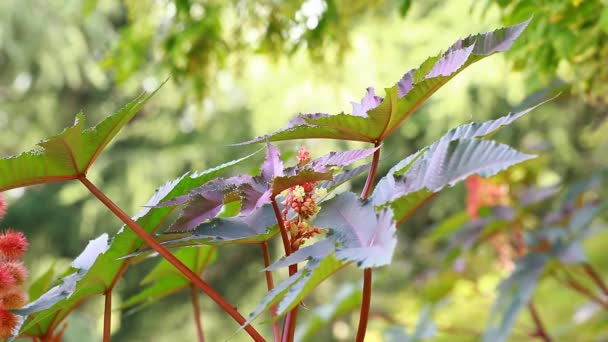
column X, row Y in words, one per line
column 13, row 274
column 302, row 200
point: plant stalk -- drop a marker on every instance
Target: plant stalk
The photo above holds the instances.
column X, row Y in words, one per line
column 164, row 252
column 540, row 331
column 367, row 273
column 597, row 279
column 107, row 316
column 270, row 284
column 197, row 313
column 290, row 319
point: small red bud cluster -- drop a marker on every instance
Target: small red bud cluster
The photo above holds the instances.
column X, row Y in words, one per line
column 13, row 274
column 302, row 200
column 303, row 156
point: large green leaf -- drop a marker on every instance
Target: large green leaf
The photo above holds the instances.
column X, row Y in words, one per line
column 375, row 118
column 69, row 154
column 164, row 279
column 107, row 268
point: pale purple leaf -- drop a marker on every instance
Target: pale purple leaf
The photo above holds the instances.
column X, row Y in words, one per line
column 318, row 250
column 362, row 236
column 199, row 209
column 324, row 163
column 297, row 121
column 490, row 42
column 406, row 83
column 273, row 165
column 369, row 101
column 450, row 62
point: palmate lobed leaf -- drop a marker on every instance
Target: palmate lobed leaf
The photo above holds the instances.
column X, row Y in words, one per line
column 360, row 234
column 69, row 154
column 375, row 118
column 357, row 234
column 452, row 158
column 108, row 267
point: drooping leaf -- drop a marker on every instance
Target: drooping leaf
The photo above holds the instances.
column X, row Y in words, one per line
column 374, row 118
column 107, row 268
column 164, row 279
column 291, row 291
column 69, row 154
column 67, row 285
column 361, row 235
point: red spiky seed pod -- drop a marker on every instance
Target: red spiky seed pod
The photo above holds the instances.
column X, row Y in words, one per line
column 7, row 280
column 18, row 271
column 8, row 323
column 13, row 244
column 13, row 299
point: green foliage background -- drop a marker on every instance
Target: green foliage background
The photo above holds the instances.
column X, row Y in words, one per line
column 241, row 69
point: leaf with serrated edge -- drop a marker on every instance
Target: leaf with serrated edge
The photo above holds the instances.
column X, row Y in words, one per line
column 106, row 269
column 447, row 163
column 69, row 154
column 375, row 118
column 361, row 235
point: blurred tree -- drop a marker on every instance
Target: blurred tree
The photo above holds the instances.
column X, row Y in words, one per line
column 566, row 39
column 193, row 40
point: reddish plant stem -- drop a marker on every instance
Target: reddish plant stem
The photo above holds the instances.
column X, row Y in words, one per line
column 290, row 319
column 282, row 228
column 572, row 283
column 597, row 279
column 367, row 273
column 164, row 252
column 540, row 331
column 197, row 313
column 270, row 285
column 369, row 182
column 107, row 316
column 289, row 328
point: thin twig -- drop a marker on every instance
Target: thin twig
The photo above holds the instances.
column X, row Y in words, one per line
column 597, row 279
column 197, row 313
column 540, row 331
